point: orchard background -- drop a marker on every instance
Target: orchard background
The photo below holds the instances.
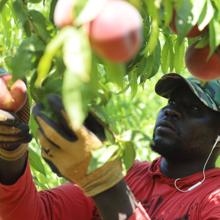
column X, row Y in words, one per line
column 180, row 36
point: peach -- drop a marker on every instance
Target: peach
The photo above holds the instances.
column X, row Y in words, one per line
column 116, row 32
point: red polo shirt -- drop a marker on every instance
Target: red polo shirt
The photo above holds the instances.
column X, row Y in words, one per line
column 156, row 193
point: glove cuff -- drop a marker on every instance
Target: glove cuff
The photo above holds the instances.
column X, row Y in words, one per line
column 102, row 179
column 14, row 154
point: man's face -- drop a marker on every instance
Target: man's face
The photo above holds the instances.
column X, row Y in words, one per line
column 185, row 128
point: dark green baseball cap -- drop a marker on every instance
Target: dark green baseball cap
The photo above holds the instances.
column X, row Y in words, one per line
column 208, row 92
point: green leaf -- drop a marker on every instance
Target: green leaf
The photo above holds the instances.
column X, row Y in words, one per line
column 42, row 184
column 179, row 55
column 129, row 154
column 168, row 11
column 2, row 4
column 40, row 25
column 35, row 1
column 153, row 40
column 73, row 100
column 197, row 9
column 35, row 161
column 19, row 65
column 77, row 54
column 216, row 3
column 33, row 125
column 214, row 34
column 101, row 156
column 20, row 12
column 153, row 8
column 152, row 64
column 76, row 92
column 165, row 57
column 115, row 72
column 133, row 80
column 53, row 84
column 94, row 77
column 206, row 15
column 153, row 11
column 52, row 9
column 171, row 52
column 184, row 17
column 204, row 41
column 29, row 50
column 52, row 49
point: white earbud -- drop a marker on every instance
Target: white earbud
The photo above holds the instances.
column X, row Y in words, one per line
column 217, row 139
column 200, row 182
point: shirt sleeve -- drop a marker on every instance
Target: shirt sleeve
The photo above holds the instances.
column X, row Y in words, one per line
column 22, row 201
column 210, row 207
column 134, row 179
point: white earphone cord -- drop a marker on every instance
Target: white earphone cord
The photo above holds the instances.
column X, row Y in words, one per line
column 203, row 171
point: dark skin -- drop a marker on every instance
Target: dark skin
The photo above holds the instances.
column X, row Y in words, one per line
column 184, row 134
column 10, row 171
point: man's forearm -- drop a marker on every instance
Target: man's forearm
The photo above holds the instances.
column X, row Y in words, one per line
column 116, row 203
column 10, row 171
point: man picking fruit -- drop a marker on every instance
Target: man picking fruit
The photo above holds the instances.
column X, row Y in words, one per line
column 181, row 184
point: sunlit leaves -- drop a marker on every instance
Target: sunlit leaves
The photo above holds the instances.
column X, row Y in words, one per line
column 77, row 55
column 214, row 30
column 73, row 100
column 20, row 12
column 179, row 55
column 74, row 48
column 183, row 17
column 197, row 9
column 2, row 4
column 61, row 61
column 40, row 25
column 26, row 57
column 206, row 15
column 167, row 55
column 153, row 11
column 129, row 155
column 115, row 73
column 36, row 162
column 168, row 11
column 101, row 156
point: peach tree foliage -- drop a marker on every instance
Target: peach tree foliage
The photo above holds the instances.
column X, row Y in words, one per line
column 32, row 47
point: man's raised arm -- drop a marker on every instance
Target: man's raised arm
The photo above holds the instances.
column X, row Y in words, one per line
column 69, row 150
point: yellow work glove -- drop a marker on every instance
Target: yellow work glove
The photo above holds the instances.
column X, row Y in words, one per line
column 69, row 150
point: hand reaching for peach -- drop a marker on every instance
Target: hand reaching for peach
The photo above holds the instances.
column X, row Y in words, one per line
column 13, row 96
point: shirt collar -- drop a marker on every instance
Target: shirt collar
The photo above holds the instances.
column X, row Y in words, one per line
column 155, row 172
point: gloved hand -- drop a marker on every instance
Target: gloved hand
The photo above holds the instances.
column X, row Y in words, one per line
column 70, row 150
column 14, row 130
column 14, row 134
